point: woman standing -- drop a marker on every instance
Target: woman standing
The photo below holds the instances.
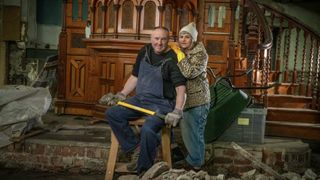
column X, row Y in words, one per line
column 193, row 66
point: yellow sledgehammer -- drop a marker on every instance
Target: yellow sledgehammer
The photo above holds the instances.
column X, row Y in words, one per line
column 146, row 111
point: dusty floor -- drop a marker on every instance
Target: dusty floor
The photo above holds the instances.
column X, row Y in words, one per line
column 15, row 174
column 55, row 121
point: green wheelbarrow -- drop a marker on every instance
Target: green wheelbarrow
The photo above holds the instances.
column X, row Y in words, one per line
column 227, row 103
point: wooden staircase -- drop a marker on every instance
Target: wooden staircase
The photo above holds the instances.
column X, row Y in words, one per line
column 290, row 116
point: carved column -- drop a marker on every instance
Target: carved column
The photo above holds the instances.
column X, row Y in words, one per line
column 177, row 29
column 116, row 8
column 200, row 18
column 62, row 53
column 231, row 68
column 139, row 9
column 104, row 9
column 161, row 10
column 93, row 23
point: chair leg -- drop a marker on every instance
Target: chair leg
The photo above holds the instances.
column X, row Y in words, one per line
column 166, row 145
column 113, row 152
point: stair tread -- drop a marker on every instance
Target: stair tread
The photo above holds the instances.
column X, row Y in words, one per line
column 289, row 96
column 315, row 125
column 294, row 109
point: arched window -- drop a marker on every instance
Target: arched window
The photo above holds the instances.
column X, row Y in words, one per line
column 127, row 15
column 168, row 15
column 111, row 17
column 149, row 16
column 98, row 17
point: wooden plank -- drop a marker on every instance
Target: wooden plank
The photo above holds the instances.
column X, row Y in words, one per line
column 255, row 161
column 166, row 145
column 113, row 152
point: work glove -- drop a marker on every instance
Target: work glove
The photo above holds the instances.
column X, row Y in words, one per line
column 116, row 98
column 112, row 99
column 173, row 117
column 106, row 98
column 177, row 50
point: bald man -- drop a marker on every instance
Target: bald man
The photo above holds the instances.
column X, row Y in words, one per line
column 160, row 87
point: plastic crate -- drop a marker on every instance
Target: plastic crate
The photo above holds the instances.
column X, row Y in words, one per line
column 249, row 127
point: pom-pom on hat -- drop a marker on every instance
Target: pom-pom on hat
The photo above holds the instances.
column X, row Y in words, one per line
column 191, row 29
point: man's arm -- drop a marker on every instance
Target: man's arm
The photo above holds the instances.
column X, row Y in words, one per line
column 181, row 97
column 130, row 85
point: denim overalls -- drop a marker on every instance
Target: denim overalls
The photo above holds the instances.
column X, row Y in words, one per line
column 149, row 95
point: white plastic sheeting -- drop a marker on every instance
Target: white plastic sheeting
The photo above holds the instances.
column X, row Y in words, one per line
column 21, row 108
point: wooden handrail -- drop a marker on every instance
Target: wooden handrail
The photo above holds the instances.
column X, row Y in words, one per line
column 293, row 20
column 267, row 44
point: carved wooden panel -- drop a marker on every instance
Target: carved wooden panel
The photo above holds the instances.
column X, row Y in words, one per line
column 107, row 76
column 114, row 73
column 76, row 77
column 217, row 49
column 75, row 41
column 217, row 17
column 216, row 46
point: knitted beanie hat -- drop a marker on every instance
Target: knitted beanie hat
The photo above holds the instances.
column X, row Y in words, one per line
column 191, row 29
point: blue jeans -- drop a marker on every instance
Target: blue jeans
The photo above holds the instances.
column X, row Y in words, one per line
column 118, row 118
column 192, row 129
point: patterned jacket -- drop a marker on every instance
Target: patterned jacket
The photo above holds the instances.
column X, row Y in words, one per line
column 193, row 67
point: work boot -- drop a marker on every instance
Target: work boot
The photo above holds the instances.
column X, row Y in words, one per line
column 183, row 164
column 132, row 166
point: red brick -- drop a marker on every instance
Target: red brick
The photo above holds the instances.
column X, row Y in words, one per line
column 230, row 152
column 78, row 162
column 56, row 161
column 222, row 160
column 11, row 148
column 50, row 149
column 242, row 169
column 104, row 154
column 21, row 157
column 77, row 151
column 42, row 160
column 38, row 149
column 74, row 170
column 242, row 162
column 91, row 152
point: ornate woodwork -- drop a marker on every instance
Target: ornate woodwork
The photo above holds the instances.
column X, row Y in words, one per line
column 92, row 67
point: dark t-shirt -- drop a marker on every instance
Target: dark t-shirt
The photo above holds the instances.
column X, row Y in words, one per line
column 171, row 74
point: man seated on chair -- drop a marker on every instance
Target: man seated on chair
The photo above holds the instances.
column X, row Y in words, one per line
column 160, row 87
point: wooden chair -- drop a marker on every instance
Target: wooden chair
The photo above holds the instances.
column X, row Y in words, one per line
column 113, row 166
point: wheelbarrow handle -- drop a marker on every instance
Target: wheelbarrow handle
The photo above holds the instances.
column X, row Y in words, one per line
column 140, row 109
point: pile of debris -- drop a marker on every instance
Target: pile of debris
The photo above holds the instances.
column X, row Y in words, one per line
column 161, row 171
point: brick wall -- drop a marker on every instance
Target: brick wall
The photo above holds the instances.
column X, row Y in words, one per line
column 290, row 156
column 55, row 157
